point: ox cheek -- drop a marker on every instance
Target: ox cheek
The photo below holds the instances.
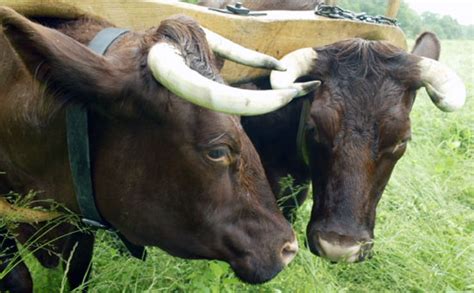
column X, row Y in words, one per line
column 250, row 232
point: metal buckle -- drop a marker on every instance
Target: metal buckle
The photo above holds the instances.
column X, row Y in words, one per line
column 238, row 9
column 94, row 224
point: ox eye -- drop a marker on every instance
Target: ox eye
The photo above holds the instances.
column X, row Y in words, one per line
column 220, row 154
column 401, row 144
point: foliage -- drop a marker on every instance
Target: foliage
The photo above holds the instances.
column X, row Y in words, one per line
column 411, row 22
column 39, row 239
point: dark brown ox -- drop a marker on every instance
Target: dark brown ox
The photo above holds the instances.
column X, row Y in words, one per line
column 264, row 4
column 357, row 128
column 166, row 172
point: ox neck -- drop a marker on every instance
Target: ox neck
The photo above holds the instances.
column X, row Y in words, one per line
column 79, row 152
column 301, row 146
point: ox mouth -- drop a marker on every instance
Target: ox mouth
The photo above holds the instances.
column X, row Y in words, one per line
column 337, row 252
column 249, row 270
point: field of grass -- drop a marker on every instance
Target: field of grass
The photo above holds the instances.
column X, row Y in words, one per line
column 424, row 231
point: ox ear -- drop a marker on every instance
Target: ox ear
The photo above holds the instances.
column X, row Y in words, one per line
column 427, row 45
column 445, row 88
column 62, row 63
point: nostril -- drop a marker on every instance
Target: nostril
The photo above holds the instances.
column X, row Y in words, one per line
column 289, row 251
column 366, row 250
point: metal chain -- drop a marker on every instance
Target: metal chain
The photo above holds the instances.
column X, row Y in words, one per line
column 338, row 12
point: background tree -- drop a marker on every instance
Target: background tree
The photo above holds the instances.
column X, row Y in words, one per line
column 446, row 27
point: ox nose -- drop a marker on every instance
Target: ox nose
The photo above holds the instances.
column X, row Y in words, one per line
column 289, row 251
column 337, row 248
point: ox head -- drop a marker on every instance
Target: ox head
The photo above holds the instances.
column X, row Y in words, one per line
column 166, row 172
column 358, row 128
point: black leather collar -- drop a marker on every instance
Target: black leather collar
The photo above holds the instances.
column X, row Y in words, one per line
column 79, row 153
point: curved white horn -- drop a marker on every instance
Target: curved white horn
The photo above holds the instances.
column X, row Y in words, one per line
column 169, row 68
column 235, row 52
column 298, row 63
column 443, row 85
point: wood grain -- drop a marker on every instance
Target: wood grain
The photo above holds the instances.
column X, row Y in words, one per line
column 276, row 34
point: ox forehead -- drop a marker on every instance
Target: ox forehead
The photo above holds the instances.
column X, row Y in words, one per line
column 367, row 94
column 356, row 128
column 165, row 172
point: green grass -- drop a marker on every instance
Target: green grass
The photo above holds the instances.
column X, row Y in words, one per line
column 424, row 232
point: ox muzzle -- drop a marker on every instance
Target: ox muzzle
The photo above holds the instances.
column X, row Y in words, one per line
column 349, row 246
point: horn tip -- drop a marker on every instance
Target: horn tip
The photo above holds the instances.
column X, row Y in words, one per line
column 279, row 66
column 306, row 87
column 447, row 102
column 274, row 64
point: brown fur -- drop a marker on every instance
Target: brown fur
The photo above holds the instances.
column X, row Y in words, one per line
column 358, row 118
column 153, row 179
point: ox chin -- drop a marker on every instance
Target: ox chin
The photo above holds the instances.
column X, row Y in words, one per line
column 253, row 270
column 249, row 267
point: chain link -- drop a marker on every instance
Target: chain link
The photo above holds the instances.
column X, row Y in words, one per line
column 338, row 12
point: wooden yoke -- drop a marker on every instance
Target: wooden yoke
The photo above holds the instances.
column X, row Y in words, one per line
column 392, row 8
column 276, row 34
